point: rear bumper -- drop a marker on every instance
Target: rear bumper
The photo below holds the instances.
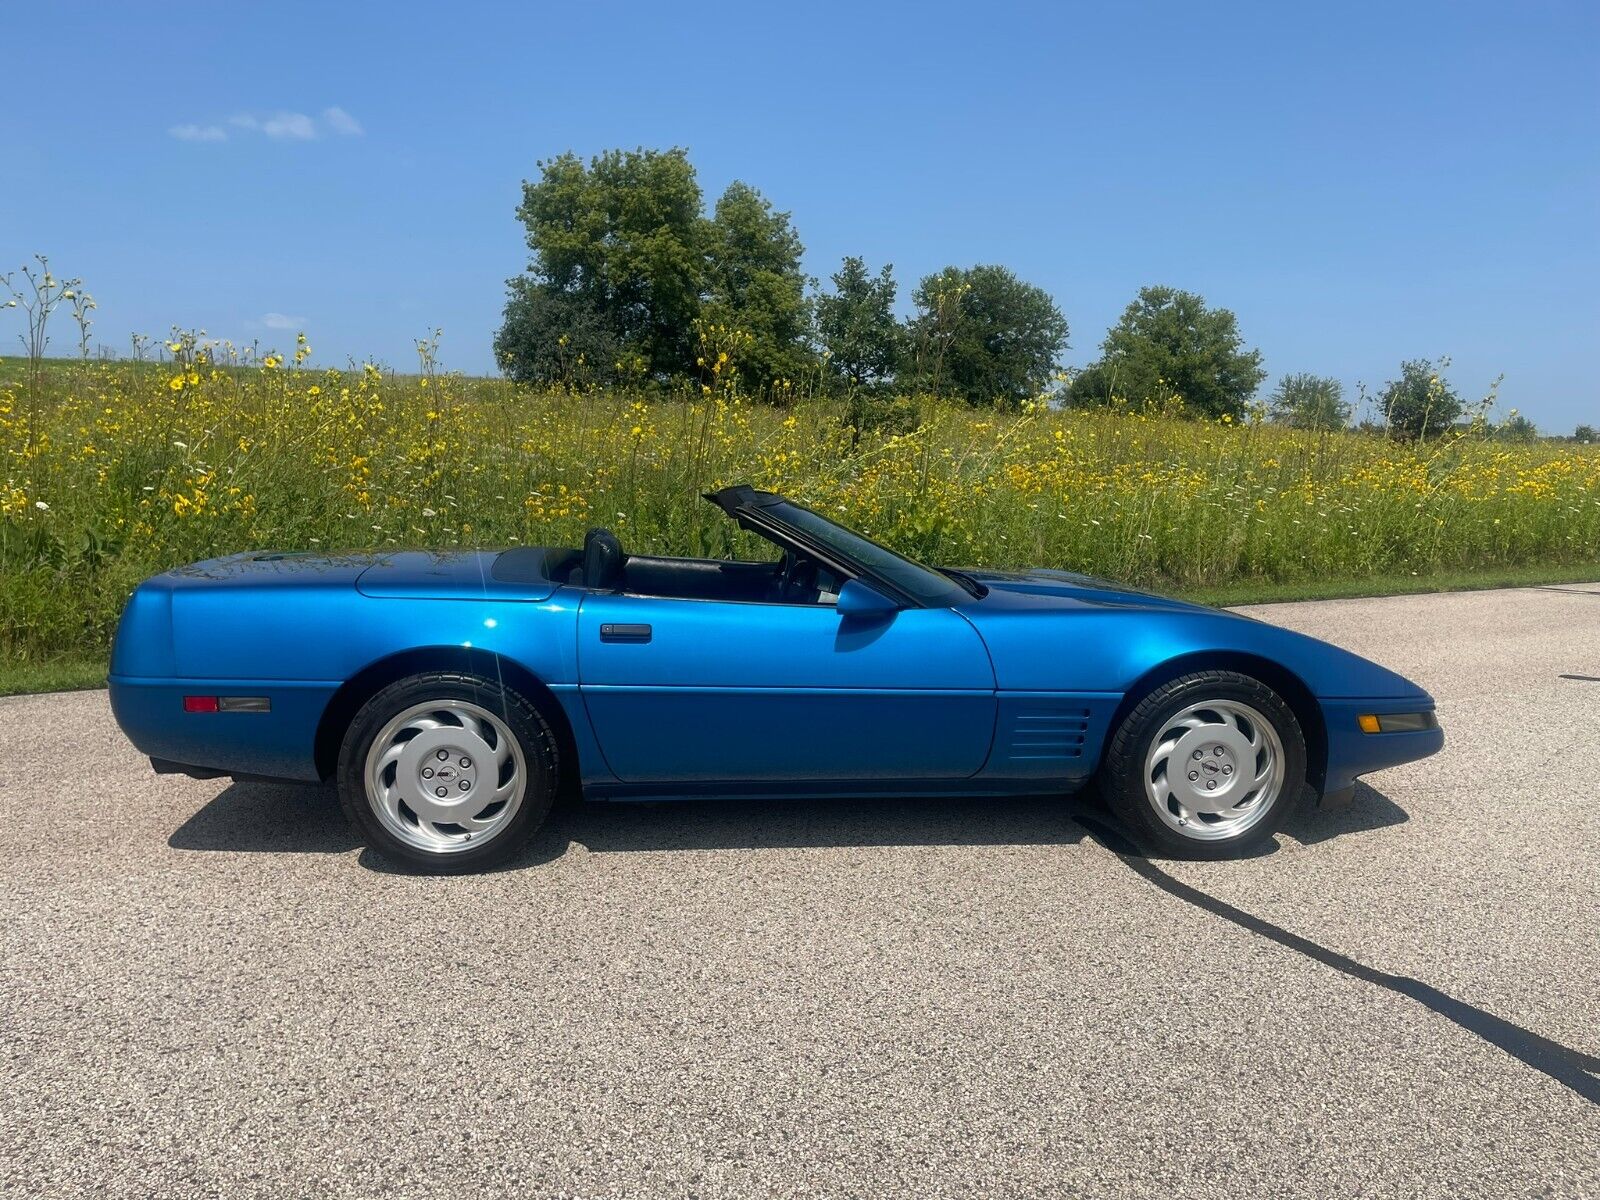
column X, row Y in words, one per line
column 1353, row 753
column 274, row 744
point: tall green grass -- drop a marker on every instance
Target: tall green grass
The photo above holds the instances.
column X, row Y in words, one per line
column 112, row 472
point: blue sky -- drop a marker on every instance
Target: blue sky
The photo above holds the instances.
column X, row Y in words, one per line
column 1360, row 183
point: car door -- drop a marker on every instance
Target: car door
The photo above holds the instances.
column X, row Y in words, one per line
column 721, row 691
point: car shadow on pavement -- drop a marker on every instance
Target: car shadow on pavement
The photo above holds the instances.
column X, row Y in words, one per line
column 273, row 818
column 302, row 819
column 1368, row 809
column 727, row 824
column 1571, row 1068
column 916, row 821
column 269, row 818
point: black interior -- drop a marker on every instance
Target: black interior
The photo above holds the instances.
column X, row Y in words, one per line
column 703, row 578
column 602, row 561
column 603, row 565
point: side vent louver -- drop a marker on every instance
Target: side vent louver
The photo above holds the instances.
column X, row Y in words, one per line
column 1046, row 735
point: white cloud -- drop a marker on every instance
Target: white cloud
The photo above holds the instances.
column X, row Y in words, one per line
column 279, row 321
column 341, row 122
column 199, row 133
column 281, row 125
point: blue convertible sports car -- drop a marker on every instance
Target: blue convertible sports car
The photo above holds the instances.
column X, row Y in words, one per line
column 452, row 695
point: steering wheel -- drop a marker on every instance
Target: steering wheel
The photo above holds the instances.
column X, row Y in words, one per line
column 799, row 578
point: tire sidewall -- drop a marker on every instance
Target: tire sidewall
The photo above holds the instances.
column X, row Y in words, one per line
column 1123, row 779
column 526, row 725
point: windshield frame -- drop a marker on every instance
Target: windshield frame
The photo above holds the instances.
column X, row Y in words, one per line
column 902, row 578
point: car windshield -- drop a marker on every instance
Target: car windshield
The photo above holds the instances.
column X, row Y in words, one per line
column 923, row 584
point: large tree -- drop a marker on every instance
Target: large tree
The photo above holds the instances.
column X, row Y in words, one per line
column 1310, row 402
column 754, row 283
column 621, row 242
column 1168, row 342
column 985, row 335
column 857, row 326
column 1421, row 403
column 555, row 337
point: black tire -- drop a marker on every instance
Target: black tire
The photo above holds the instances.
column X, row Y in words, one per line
column 527, row 726
column 1121, row 777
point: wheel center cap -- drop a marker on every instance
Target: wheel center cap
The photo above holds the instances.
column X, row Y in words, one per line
column 1206, row 774
column 442, row 767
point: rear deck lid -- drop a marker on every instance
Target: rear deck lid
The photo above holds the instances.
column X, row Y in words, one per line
column 448, row 575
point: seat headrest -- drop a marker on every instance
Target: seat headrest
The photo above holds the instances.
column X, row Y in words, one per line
column 602, row 560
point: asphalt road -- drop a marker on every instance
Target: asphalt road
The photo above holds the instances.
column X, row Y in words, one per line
column 210, row 989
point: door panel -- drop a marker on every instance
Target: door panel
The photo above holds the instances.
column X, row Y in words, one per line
column 731, row 692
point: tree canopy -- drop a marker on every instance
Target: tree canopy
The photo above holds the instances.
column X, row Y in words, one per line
column 857, row 326
column 619, row 240
column 624, row 262
column 1421, row 402
column 629, row 278
column 1307, row 401
column 1517, row 428
column 1169, row 343
column 754, row 283
column 985, row 335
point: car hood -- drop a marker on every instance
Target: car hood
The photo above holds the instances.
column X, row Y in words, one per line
column 1044, row 588
column 1059, row 631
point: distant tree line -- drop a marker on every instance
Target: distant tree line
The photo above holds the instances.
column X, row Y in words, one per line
column 630, row 280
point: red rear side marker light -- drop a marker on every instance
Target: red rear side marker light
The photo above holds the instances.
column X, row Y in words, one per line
column 227, row 704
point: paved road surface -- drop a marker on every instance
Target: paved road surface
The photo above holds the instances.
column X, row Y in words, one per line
column 208, row 988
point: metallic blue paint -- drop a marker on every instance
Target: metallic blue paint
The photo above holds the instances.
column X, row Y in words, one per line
column 857, row 599
column 1014, row 690
column 1049, row 736
column 1352, row 753
column 734, row 691
column 275, row 744
column 1053, row 631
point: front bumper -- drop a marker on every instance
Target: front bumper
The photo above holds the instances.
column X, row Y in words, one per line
column 1353, row 752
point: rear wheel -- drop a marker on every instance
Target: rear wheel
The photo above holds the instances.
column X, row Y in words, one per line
column 447, row 772
column 1206, row 766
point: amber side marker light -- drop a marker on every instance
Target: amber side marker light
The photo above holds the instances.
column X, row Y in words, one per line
column 1397, row 722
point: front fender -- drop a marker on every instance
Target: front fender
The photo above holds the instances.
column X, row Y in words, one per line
column 1109, row 649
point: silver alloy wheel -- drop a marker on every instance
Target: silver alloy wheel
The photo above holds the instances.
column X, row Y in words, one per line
column 1214, row 770
column 445, row 775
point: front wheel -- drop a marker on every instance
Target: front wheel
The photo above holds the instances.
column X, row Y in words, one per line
column 447, row 772
column 1206, row 766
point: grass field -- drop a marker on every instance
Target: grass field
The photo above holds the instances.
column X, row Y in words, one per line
column 112, row 472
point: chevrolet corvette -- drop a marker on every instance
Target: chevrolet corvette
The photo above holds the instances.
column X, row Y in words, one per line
column 452, row 696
